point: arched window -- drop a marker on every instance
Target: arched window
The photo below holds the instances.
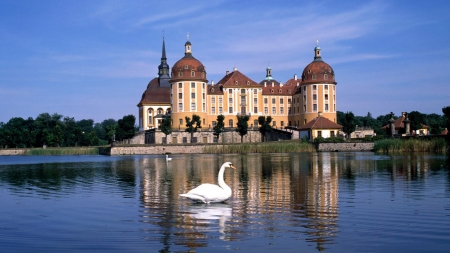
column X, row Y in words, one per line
column 230, row 123
column 150, row 117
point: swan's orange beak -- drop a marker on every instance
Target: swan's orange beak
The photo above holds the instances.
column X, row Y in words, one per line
column 231, row 166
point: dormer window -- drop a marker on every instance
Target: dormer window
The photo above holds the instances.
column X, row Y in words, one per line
column 279, row 91
column 193, row 73
column 314, row 77
column 186, row 67
column 289, row 91
column 271, row 90
column 180, row 73
column 248, row 82
column 325, row 76
column 236, row 82
column 203, row 74
column 212, row 89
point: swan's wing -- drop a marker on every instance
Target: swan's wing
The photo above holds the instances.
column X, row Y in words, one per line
column 207, row 193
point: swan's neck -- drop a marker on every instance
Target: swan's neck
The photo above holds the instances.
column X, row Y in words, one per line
column 221, row 181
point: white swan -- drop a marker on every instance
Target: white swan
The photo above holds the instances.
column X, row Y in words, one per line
column 168, row 158
column 211, row 193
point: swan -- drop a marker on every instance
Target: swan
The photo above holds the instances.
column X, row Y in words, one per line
column 168, row 158
column 211, row 193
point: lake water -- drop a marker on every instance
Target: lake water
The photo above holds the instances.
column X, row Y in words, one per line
column 295, row 202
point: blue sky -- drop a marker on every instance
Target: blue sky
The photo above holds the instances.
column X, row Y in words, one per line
column 94, row 59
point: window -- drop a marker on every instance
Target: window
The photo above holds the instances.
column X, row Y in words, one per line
column 192, row 73
column 230, row 123
column 332, row 133
column 242, row 91
column 192, row 95
column 326, row 96
column 213, row 110
column 255, row 122
column 203, row 107
column 230, row 91
column 180, row 95
column 255, row 101
column 304, row 98
column 319, row 133
column 203, row 85
column 313, row 76
column 325, row 76
column 314, row 107
column 314, row 97
column 326, row 86
column 203, row 95
column 230, row 101
column 180, row 73
column 214, row 123
column 255, row 109
column 181, row 122
column 304, row 88
column 220, row 110
column 304, row 108
column 273, row 100
column 274, row 123
column 326, row 107
column 289, row 101
column 243, row 110
column 180, row 107
column 180, row 85
column 192, row 106
column 230, row 109
column 274, row 110
column 265, row 100
column 160, row 111
column 193, row 85
column 266, row 110
column 255, row 91
column 220, row 100
column 282, row 123
column 281, row 101
column 281, row 110
column 289, row 110
column 314, row 87
column 213, row 100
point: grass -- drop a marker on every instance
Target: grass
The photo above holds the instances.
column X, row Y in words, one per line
column 265, row 147
column 63, row 151
column 410, row 145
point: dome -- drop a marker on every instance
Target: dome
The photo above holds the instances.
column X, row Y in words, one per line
column 318, row 71
column 188, row 68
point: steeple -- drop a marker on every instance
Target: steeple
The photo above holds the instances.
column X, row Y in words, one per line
column 268, row 73
column 187, row 47
column 317, row 56
column 163, row 68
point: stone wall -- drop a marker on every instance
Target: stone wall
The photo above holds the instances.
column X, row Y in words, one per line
column 12, row 151
column 356, row 146
column 153, row 150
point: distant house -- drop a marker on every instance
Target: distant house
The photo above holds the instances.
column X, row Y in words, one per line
column 444, row 132
column 319, row 127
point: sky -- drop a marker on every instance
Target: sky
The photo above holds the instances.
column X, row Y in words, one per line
column 94, row 59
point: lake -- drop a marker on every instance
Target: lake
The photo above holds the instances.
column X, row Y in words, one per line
column 293, row 202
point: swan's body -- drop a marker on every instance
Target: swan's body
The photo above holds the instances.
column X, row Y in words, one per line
column 211, row 193
column 168, row 158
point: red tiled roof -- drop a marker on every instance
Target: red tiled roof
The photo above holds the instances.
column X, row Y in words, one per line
column 278, row 89
column 319, row 69
column 155, row 93
column 186, row 65
column 236, row 79
column 320, row 123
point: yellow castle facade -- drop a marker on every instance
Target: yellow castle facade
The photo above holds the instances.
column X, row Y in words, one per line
column 185, row 91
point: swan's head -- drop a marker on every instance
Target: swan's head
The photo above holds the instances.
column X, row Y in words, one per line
column 229, row 164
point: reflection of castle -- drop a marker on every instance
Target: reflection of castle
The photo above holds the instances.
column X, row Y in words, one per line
column 184, row 91
column 300, row 191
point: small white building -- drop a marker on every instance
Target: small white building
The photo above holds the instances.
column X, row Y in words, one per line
column 319, row 127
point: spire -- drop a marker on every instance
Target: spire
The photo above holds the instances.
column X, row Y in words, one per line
column 187, row 47
column 268, row 73
column 317, row 56
column 163, row 68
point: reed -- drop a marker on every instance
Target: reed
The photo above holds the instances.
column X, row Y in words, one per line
column 265, row 147
column 410, row 145
column 62, row 151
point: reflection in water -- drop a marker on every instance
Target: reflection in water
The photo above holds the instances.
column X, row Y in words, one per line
column 283, row 201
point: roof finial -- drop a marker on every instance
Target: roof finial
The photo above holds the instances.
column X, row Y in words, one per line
column 188, row 36
column 317, row 42
column 163, row 34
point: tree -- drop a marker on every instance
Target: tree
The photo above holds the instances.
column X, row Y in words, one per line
column 264, row 126
column 417, row 119
column 193, row 125
column 166, row 126
column 219, row 127
column 349, row 126
column 242, row 126
column 126, row 128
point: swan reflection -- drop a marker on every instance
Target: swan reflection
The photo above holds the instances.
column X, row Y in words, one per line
column 206, row 214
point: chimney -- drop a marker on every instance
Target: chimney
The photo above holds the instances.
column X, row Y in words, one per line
column 295, row 77
column 212, row 82
column 228, row 72
column 272, row 84
column 234, row 69
column 265, row 84
column 281, row 84
column 298, row 84
column 320, row 114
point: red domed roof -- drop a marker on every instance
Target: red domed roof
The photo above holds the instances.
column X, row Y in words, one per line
column 318, row 71
column 188, row 68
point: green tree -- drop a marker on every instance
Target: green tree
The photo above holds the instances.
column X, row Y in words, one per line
column 264, row 126
column 242, row 126
column 45, row 129
column 193, row 125
column 126, row 127
column 349, row 126
column 166, row 126
column 417, row 119
column 219, row 127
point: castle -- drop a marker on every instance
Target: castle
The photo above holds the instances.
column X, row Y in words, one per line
column 185, row 91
